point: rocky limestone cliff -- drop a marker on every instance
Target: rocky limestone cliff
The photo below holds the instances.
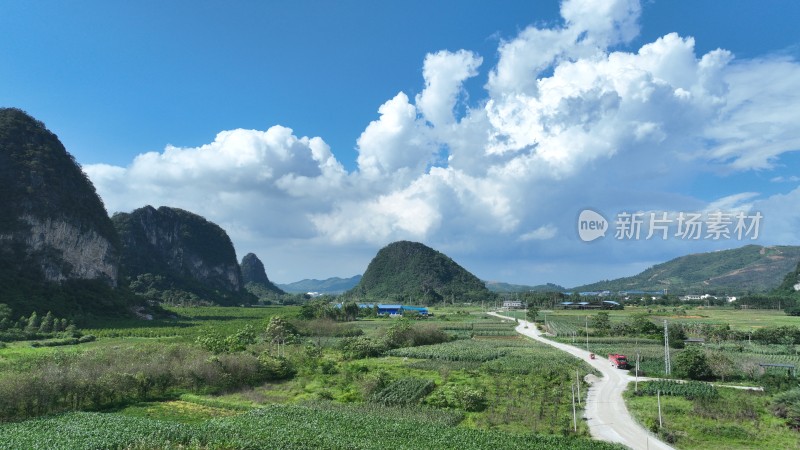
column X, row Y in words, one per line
column 255, row 277
column 185, row 250
column 51, row 206
column 67, row 252
column 58, row 248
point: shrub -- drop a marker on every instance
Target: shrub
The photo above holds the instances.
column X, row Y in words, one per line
column 692, row 364
column 458, row 397
column 275, row 367
column 361, row 347
column 403, row 392
column 404, row 334
column 786, row 405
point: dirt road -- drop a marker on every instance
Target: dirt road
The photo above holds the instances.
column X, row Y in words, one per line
column 605, row 410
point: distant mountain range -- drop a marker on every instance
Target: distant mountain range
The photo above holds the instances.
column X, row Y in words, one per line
column 748, row 269
column 60, row 252
column 498, row 286
column 334, row 285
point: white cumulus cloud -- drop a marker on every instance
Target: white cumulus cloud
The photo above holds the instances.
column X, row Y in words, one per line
column 569, row 118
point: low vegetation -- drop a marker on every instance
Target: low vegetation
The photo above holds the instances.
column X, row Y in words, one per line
column 188, row 381
column 276, row 426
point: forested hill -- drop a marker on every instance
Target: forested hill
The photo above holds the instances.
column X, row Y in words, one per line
column 498, row 286
column 176, row 256
column 748, row 269
column 255, row 279
column 58, row 248
column 333, row 285
column 412, row 272
column 791, row 284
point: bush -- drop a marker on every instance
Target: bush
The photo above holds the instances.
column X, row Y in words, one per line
column 403, row 392
column 361, row 347
column 458, row 397
column 786, row 405
column 404, row 334
column 275, row 367
column 692, row 364
column 103, row 378
column 348, row 331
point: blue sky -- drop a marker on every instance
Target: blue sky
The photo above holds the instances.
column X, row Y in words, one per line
column 499, row 121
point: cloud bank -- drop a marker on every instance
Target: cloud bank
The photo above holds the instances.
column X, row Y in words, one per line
column 567, row 120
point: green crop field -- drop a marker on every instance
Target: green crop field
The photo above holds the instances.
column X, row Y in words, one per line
column 156, row 385
column 697, row 415
column 153, row 385
column 278, row 426
column 731, row 419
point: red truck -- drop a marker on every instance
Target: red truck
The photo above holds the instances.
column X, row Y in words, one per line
column 617, row 360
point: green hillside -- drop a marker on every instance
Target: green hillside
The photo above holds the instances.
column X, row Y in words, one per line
column 177, row 257
column 58, row 248
column 412, row 272
column 334, row 285
column 790, row 284
column 255, row 278
column 498, row 286
column 748, row 269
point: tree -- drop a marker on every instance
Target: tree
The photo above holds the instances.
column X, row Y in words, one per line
column 692, row 364
column 532, row 314
column 677, row 335
column 33, row 323
column 400, row 334
column 351, row 310
column 241, row 339
column 47, row 323
column 601, row 323
column 721, row 365
column 5, row 311
column 279, row 332
column 641, row 324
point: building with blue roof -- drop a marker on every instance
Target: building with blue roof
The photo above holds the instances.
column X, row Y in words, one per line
column 391, row 309
column 399, row 309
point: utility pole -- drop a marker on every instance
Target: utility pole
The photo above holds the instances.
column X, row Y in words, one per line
column 578, row 383
column 636, row 386
column 574, row 414
column 667, row 365
column 587, row 333
column 660, row 423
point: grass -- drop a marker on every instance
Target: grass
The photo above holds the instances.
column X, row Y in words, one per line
column 189, row 322
column 277, row 426
column 735, row 420
column 744, row 320
column 526, row 385
column 178, row 411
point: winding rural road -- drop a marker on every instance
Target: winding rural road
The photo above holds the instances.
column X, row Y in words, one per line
column 605, row 411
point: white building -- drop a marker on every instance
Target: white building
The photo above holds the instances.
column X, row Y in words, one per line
column 512, row 304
